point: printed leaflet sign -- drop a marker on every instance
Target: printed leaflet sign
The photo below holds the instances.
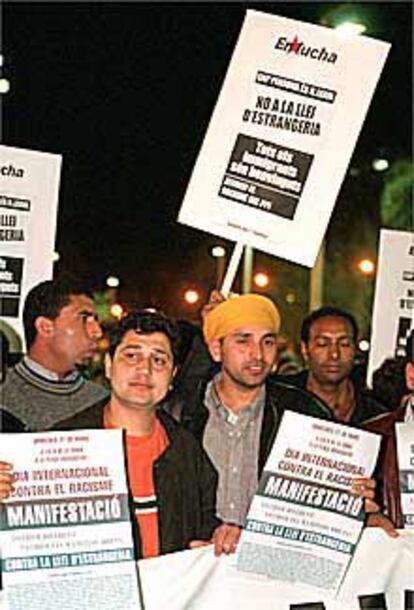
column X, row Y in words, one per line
column 66, row 533
column 281, row 135
column 303, row 524
column 29, row 185
column 394, row 298
column 405, row 448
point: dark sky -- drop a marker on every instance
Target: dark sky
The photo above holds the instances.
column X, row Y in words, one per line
column 125, row 92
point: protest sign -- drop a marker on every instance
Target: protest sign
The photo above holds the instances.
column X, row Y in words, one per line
column 405, row 451
column 66, row 539
column 303, row 524
column 393, row 311
column 29, row 186
column 281, row 135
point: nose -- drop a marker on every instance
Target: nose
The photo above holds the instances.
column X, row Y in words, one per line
column 94, row 329
column 144, row 364
column 256, row 351
column 334, row 351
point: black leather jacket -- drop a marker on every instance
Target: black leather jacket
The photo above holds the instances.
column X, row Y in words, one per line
column 188, row 408
column 185, row 483
column 366, row 405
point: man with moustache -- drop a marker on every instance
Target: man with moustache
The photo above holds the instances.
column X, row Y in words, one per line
column 328, row 344
column 61, row 332
column 235, row 408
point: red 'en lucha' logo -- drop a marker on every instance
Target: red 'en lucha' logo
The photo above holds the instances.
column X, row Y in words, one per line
column 300, row 48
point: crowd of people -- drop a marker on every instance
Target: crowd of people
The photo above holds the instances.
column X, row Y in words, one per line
column 199, row 428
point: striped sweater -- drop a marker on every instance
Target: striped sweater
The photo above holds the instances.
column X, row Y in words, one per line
column 40, row 402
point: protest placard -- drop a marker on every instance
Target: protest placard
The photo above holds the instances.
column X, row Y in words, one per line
column 29, row 187
column 281, row 135
column 394, row 298
column 303, row 524
column 66, row 539
column 405, row 451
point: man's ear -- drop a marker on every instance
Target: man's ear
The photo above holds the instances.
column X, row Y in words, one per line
column 304, row 351
column 108, row 366
column 44, row 326
column 214, row 347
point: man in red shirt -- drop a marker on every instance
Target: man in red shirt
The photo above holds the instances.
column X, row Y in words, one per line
column 172, row 481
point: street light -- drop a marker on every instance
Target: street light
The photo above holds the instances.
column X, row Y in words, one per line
column 261, row 279
column 345, row 19
column 364, row 345
column 4, row 85
column 380, row 165
column 219, row 253
column 55, row 257
column 191, row 296
column 116, row 310
column 112, row 281
column 366, row 266
column 350, row 28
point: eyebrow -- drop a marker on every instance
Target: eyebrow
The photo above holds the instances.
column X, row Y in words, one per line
column 88, row 312
column 134, row 346
column 329, row 335
column 247, row 334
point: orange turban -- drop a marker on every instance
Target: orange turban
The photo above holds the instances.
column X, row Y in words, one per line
column 236, row 312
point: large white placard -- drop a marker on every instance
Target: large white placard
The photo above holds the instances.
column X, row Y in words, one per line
column 304, row 524
column 66, row 539
column 393, row 312
column 380, row 577
column 282, row 134
column 29, row 188
column 405, row 447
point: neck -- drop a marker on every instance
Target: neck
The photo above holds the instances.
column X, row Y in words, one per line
column 338, row 396
column 49, row 361
column 234, row 396
column 136, row 422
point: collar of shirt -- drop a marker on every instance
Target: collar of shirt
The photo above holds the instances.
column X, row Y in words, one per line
column 250, row 413
column 409, row 410
column 46, row 373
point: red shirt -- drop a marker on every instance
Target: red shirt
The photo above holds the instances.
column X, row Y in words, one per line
column 142, row 451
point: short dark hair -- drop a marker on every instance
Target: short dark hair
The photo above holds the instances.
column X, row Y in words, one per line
column 388, row 382
column 47, row 299
column 325, row 312
column 145, row 322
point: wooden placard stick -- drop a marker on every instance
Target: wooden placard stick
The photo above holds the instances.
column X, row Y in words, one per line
column 232, row 269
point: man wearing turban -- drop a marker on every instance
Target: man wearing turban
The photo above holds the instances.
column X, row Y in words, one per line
column 236, row 413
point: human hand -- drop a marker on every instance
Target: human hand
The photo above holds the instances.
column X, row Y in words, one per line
column 365, row 488
column 196, row 544
column 225, row 539
column 380, row 520
column 6, row 480
column 215, row 299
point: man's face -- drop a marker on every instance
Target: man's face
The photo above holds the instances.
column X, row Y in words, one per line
column 330, row 351
column 74, row 333
column 247, row 355
column 409, row 376
column 141, row 369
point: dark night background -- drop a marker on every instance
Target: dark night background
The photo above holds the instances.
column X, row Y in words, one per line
column 125, row 92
